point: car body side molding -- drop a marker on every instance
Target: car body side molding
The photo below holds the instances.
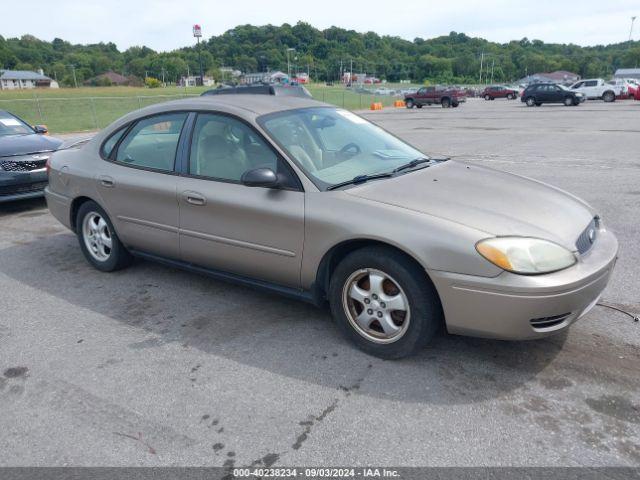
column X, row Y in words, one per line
column 294, row 293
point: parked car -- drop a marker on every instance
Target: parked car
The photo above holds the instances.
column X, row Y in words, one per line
column 539, row 93
column 24, row 150
column 436, row 95
column 312, row 201
column 597, row 88
column 499, row 91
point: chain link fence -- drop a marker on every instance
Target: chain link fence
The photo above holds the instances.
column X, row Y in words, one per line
column 76, row 114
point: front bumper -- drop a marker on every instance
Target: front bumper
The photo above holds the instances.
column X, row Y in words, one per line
column 22, row 185
column 520, row 307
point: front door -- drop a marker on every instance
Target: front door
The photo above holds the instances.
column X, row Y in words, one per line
column 138, row 186
column 250, row 231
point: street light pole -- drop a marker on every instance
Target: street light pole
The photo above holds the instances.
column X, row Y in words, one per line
column 197, row 32
column 289, row 50
column 633, row 19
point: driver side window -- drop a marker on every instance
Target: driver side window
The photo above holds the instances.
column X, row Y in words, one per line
column 224, row 148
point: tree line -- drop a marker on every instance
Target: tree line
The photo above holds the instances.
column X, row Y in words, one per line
column 324, row 54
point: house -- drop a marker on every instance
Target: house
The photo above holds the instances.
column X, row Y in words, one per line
column 559, row 76
column 627, row 73
column 265, row 77
column 194, row 80
column 18, row 79
column 108, row 78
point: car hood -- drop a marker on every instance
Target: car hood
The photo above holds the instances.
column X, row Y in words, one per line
column 11, row 145
column 494, row 202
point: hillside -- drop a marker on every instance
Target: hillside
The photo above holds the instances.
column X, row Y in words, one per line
column 452, row 58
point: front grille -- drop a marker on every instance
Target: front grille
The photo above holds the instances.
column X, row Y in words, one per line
column 547, row 322
column 17, row 189
column 24, row 166
column 588, row 236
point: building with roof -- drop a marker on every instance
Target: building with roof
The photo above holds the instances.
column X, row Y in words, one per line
column 559, row 76
column 627, row 73
column 19, row 79
column 265, row 77
column 108, row 78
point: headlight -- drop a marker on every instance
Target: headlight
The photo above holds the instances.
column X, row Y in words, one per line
column 525, row 255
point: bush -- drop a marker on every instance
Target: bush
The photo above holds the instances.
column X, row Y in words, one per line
column 152, row 82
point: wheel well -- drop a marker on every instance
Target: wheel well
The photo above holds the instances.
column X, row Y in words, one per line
column 75, row 206
column 336, row 254
column 608, row 91
column 445, row 98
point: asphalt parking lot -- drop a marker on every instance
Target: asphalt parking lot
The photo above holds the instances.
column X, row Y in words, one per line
column 154, row 366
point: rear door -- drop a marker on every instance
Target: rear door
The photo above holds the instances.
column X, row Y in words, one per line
column 250, row 231
column 138, row 185
column 591, row 89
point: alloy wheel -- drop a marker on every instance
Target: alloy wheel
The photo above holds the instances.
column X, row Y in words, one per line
column 376, row 306
column 96, row 236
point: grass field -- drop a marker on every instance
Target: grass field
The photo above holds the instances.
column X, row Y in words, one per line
column 90, row 108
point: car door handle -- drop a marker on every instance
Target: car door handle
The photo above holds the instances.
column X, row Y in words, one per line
column 194, row 198
column 106, row 181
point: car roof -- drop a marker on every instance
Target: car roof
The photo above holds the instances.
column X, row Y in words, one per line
column 250, row 104
column 245, row 106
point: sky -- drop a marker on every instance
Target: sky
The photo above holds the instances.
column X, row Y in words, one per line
column 166, row 24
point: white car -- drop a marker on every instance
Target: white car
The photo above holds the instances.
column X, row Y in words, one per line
column 597, row 88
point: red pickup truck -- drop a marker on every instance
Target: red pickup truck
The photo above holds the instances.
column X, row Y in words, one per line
column 437, row 95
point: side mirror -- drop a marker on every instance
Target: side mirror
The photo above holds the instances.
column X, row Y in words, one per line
column 260, row 177
column 41, row 129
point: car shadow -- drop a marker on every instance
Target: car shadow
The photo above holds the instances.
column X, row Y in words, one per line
column 268, row 332
column 20, row 206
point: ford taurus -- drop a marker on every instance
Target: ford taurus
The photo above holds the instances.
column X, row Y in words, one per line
column 315, row 202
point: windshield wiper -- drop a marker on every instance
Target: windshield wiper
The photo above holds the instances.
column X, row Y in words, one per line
column 360, row 179
column 413, row 163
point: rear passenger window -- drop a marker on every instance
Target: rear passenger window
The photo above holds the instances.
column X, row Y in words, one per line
column 107, row 147
column 152, row 142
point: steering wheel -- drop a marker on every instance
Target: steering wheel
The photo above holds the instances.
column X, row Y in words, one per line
column 351, row 148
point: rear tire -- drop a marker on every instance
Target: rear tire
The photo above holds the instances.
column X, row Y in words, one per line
column 609, row 97
column 98, row 239
column 384, row 302
column 531, row 102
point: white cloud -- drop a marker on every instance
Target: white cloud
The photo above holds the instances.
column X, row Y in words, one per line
column 165, row 25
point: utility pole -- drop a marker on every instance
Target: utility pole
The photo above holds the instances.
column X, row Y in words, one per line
column 351, row 73
column 493, row 62
column 481, row 63
column 633, row 19
column 73, row 70
column 289, row 50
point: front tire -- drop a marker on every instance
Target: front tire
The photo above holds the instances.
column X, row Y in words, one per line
column 446, row 103
column 568, row 102
column 487, row 97
column 409, row 103
column 384, row 302
column 98, row 240
column 510, row 97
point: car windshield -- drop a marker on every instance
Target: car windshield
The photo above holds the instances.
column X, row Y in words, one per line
column 334, row 145
column 10, row 125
